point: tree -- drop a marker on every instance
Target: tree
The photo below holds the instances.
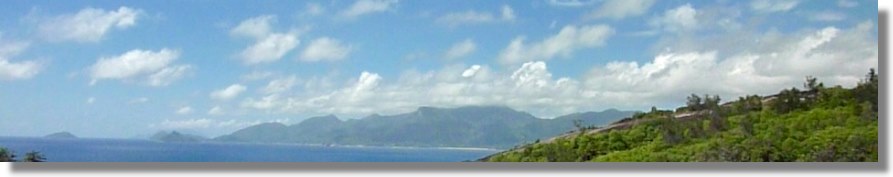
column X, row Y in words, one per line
column 34, row 156
column 6, row 155
column 867, row 89
column 788, row 100
column 694, row 103
column 812, row 87
column 579, row 125
column 711, row 102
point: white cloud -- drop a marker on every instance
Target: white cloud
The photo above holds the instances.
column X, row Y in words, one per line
column 769, row 6
column 228, row 93
column 619, row 9
column 90, row 100
column 269, row 49
column 184, row 110
column 757, row 64
column 754, row 64
column 847, row 3
column 269, row 46
column 16, row 70
column 12, row 48
column 256, row 75
column 571, row 3
column 216, row 111
column 506, row 14
column 827, row 16
column 568, row 40
column 88, row 25
column 265, row 103
column 461, row 49
column 168, row 75
column 19, row 70
column 280, row 85
column 471, row 71
column 682, row 18
column 363, row 7
column 154, row 67
column 256, row 27
column 325, row 49
column 314, row 9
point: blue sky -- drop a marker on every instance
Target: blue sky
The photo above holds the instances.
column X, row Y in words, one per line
column 124, row 69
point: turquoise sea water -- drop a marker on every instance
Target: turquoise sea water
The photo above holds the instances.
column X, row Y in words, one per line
column 121, row 150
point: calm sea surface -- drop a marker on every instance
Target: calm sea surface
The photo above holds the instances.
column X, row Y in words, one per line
column 120, row 150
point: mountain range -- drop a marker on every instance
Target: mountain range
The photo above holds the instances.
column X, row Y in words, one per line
column 470, row 126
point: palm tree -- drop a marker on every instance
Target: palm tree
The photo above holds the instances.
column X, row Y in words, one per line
column 34, row 156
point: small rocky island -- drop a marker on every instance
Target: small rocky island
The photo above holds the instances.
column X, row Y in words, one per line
column 61, row 135
column 174, row 136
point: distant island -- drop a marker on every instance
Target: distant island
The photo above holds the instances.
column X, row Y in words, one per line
column 61, row 135
column 174, row 136
column 470, row 126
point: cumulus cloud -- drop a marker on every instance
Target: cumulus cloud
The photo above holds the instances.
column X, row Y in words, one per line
column 268, row 46
column 257, row 75
column 270, row 49
column 314, row 9
column 471, row 71
column 152, row 67
column 770, row 6
column 563, row 44
column 756, row 63
column 215, row 111
column 619, row 9
column 506, row 14
column 184, row 110
column 768, row 63
column 363, row 7
column 827, row 16
column 257, row 27
column 461, row 49
column 682, row 18
column 21, row 70
column 168, row 75
column 325, row 49
column 228, row 93
column 88, row 25
column 280, row 85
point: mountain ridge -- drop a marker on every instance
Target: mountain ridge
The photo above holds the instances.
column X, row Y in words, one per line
column 466, row 126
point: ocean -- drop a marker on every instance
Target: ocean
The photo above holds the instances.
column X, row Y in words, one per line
column 124, row 150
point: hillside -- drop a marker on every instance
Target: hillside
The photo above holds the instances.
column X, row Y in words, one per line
column 816, row 125
column 472, row 126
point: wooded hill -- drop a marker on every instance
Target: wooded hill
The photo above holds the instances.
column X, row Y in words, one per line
column 816, row 124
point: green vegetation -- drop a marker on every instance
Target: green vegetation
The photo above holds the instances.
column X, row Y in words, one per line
column 818, row 124
column 8, row 156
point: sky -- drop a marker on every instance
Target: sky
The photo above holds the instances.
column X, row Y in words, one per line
column 114, row 69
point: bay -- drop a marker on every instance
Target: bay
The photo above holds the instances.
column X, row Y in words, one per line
column 126, row 150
